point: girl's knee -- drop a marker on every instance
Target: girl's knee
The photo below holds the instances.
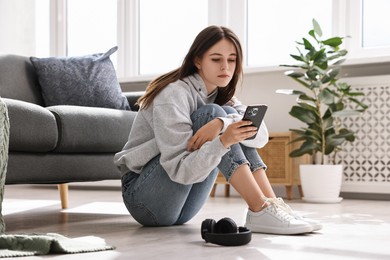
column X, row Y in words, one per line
column 212, row 110
column 205, row 114
column 229, row 110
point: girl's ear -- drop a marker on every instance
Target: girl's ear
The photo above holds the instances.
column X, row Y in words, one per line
column 197, row 63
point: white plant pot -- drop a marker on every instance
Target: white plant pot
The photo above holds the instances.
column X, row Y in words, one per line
column 321, row 183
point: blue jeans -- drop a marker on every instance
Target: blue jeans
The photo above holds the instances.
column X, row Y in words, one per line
column 153, row 199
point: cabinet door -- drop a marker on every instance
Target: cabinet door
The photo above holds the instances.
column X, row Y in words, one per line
column 275, row 155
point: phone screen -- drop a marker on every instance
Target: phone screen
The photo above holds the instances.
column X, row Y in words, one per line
column 255, row 114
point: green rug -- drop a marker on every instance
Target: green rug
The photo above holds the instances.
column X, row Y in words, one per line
column 35, row 244
column 50, row 243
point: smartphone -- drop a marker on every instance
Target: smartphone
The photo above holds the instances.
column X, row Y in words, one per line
column 255, row 114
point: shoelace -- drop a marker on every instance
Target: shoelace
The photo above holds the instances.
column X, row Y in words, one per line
column 278, row 210
column 284, row 206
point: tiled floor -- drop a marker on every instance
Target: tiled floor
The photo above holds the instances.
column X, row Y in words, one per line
column 353, row 229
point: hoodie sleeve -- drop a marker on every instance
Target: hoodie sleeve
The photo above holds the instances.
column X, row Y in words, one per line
column 173, row 129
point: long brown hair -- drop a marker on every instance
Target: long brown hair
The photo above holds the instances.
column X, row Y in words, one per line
column 204, row 41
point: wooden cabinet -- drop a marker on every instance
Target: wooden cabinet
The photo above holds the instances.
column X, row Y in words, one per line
column 281, row 168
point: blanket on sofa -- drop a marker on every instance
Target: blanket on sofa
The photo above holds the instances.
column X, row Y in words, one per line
column 4, row 140
column 15, row 245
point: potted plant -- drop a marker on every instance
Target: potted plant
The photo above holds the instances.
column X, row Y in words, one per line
column 321, row 107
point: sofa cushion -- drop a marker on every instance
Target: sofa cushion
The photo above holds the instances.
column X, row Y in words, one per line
column 32, row 128
column 83, row 80
column 91, row 129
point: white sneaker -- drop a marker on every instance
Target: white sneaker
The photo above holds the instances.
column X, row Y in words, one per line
column 316, row 225
column 274, row 220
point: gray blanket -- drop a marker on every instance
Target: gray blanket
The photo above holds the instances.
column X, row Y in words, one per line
column 4, row 140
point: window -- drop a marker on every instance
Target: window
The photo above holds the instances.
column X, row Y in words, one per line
column 367, row 27
column 167, row 29
column 375, row 23
column 273, row 28
column 91, row 30
column 153, row 35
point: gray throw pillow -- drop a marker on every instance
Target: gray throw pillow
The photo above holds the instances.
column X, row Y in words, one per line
column 88, row 80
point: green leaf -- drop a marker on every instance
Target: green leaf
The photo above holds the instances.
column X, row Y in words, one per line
column 320, row 57
column 289, row 92
column 321, row 66
column 301, row 138
column 337, row 55
column 343, row 52
column 302, row 82
column 343, row 86
column 302, row 102
column 302, row 114
column 304, row 135
column 312, row 74
column 336, row 107
column 355, row 94
column 335, row 139
column 292, row 66
column 333, row 72
column 306, row 148
column 360, row 104
column 317, row 28
column 328, row 123
column 315, row 85
column 297, row 57
column 330, row 75
column 298, row 131
column 307, row 44
column 326, row 97
column 329, row 148
column 333, row 42
column 304, row 97
column 346, row 113
column 294, row 74
column 315, row 133
column 347, row 134
column 339, row 62
column 312, row 34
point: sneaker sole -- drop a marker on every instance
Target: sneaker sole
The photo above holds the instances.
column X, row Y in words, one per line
column 279, row 231
column 316, row 227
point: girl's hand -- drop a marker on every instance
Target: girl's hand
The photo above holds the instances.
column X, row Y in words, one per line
column 206, row 133
column 237, row 132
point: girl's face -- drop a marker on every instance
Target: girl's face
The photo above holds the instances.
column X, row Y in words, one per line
column 217, row 65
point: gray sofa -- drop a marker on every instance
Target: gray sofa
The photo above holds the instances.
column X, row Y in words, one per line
column 58, row 144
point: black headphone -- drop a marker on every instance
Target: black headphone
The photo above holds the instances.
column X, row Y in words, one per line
column 225, row 232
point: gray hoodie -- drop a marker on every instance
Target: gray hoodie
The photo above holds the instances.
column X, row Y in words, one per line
column 165, row 128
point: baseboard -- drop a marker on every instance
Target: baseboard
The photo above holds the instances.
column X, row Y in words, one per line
column 366, row 187
column 365, row 196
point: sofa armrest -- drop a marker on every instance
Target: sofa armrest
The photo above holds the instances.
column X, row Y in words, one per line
column 132, row 97
column 91, row 129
